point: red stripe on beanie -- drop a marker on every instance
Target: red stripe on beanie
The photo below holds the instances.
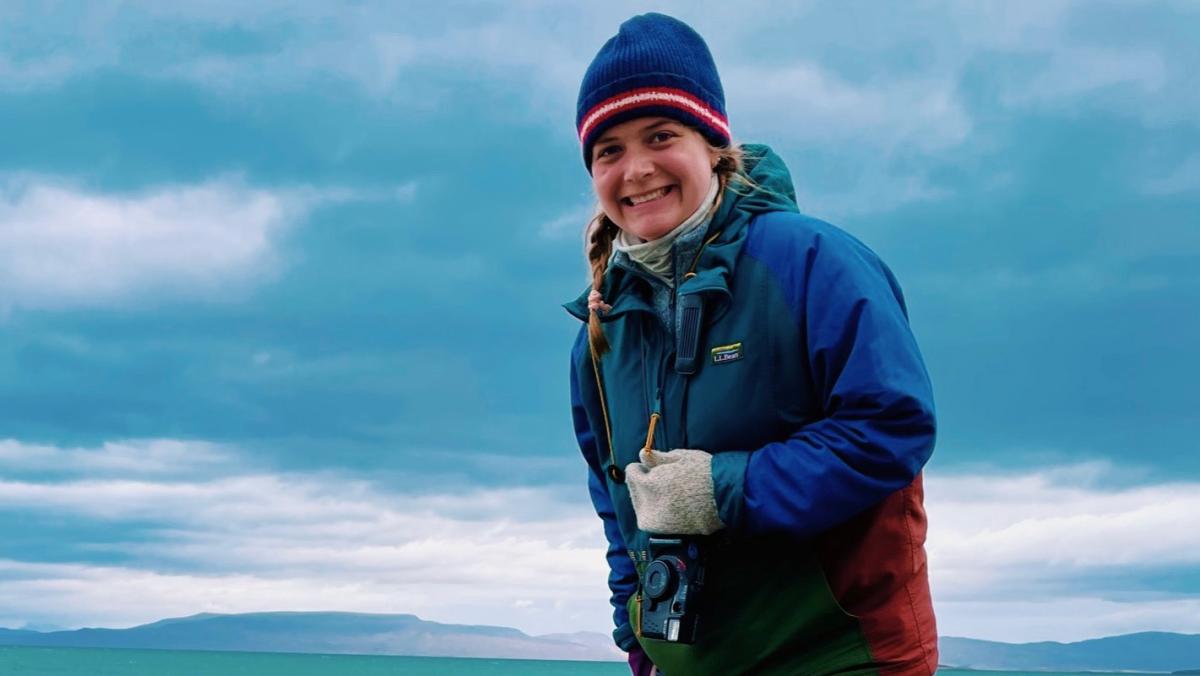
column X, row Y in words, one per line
column 653, row 96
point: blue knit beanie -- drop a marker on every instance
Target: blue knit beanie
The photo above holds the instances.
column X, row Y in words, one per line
column 655, row 65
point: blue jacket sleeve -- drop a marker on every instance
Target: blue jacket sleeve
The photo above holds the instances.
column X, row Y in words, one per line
column 622, row 577
column 876, row 428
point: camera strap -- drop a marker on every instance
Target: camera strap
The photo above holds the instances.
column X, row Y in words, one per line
column 614, row 472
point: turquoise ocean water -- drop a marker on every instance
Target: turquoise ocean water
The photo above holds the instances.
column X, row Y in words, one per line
column 22, row 661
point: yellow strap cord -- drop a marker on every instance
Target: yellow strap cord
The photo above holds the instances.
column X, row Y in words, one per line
column 604, row 409
column 650, row 432
column 695, row 261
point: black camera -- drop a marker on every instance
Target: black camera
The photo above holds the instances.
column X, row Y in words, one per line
column 671, row 590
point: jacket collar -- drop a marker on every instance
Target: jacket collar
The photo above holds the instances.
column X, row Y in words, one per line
column 618, row 285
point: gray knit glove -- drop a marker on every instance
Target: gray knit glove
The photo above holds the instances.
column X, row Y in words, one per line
column 672, row 492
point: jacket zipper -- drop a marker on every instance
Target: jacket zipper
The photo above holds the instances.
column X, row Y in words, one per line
column 665, row 362
column 691, row 272
column 657, row 413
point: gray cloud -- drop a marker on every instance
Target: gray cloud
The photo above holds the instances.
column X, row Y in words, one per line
column 64, row 246
column 240, row 539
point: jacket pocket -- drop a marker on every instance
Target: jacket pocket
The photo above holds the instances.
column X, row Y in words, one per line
column 767, row 609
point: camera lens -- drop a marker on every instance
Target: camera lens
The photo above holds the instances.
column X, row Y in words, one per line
column 659, row 577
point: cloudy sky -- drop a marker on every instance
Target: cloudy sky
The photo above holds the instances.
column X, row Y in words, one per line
column 280, row 287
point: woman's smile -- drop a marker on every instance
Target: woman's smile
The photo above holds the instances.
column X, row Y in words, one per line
column 653, row 195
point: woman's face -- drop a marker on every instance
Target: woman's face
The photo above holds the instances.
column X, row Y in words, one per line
column 650, row 174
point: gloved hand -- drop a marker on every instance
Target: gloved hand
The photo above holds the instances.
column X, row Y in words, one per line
column 672, row 492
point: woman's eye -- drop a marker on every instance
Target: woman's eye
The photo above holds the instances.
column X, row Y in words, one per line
column 606, row 150
column 662, row 136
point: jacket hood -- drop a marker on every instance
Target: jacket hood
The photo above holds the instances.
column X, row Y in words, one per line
column 770, row 189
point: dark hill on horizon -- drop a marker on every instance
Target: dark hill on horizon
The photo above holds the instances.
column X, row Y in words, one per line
column 1145, row 651
column 328, row 632
column 378, row 634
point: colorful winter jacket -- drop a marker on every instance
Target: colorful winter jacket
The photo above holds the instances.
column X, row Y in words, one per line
column 811, row 395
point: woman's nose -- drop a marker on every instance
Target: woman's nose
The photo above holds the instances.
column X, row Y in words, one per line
column 638, row 166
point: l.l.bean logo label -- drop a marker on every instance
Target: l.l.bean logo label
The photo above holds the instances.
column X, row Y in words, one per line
column 723, row 354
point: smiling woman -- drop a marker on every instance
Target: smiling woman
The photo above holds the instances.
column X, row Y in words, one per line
column 721, row 319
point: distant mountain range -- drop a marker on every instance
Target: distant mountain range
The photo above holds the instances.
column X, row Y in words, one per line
column 356, row 633
column 1147, row 651
column 369, row 634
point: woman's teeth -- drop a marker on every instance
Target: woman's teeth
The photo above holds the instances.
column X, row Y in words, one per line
column 646, row 197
